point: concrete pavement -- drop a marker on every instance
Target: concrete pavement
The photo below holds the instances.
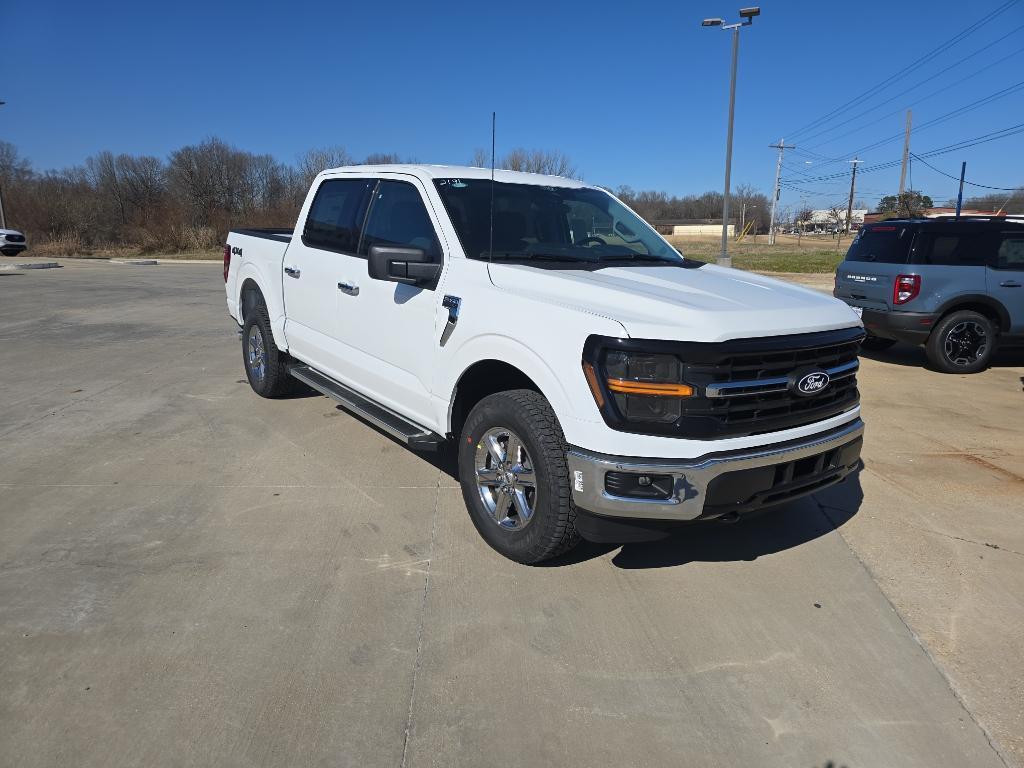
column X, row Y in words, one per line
column 194, row 575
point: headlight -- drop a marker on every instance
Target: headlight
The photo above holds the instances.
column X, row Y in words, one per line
column 644, row 387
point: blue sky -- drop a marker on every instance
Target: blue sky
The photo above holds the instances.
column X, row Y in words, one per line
column 634, row 93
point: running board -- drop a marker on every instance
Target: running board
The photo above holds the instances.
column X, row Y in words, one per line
column 412, row 434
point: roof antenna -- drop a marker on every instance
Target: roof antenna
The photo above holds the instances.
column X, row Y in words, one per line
column 490, row 247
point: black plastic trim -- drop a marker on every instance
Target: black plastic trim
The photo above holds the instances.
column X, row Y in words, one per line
column 281, row 234
column 412, row 434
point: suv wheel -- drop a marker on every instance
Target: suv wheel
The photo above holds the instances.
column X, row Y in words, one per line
column 961, row 342
column 515, row 478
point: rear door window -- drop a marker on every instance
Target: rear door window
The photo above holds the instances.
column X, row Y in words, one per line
column 953, row 248
column 336, row 215
column 399, row 217
column 881, row 244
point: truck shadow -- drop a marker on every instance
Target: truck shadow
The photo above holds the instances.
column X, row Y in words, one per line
column 773, row 531
column 748, row 539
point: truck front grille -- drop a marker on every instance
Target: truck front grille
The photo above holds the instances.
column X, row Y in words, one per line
column 746, row 386
column 748, row 393
column 12, row 238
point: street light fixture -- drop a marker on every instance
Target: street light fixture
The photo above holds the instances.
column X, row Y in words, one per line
column 747, row 14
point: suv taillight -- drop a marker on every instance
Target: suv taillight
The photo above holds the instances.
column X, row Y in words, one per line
column 227, row 260
column 905, row 288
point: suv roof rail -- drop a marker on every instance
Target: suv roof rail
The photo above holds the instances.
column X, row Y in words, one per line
column 970, row 217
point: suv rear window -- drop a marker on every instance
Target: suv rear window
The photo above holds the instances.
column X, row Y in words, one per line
column 882, row 244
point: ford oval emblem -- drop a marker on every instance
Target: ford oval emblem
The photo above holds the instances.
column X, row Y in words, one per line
column 812, row 383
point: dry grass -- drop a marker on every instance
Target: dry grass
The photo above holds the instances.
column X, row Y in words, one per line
column 810, row 253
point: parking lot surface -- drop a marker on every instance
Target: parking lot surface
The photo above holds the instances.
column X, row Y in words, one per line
column 194, row 575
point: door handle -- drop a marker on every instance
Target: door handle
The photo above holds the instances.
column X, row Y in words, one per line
column 1010, row 284
column 453, row 304
column 350, row 288
column 292, row 271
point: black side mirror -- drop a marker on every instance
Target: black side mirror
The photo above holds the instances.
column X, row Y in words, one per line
column 395, row 264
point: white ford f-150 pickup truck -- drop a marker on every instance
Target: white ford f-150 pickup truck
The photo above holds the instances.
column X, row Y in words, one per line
column 596, row 382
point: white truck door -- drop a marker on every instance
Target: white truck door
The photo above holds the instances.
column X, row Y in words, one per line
column 315, row 262
column 389, row 328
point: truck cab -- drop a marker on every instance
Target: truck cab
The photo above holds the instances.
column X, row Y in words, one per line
column 594, row 382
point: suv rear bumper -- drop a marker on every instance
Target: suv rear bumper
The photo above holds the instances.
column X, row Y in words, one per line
column 911, row 327
column 718, row 484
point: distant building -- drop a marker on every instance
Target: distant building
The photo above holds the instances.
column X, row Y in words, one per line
column 934, row 213
column 826, row 219
column 691, row 227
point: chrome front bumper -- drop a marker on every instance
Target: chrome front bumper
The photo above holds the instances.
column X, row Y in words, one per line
column 692, row 477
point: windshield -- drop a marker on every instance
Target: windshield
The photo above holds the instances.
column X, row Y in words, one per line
column 549, row 223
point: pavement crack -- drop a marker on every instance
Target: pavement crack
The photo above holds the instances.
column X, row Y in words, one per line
column 825, row 507
column 989, row 737
column 418, row 658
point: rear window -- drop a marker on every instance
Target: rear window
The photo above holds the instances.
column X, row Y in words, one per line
column 885, row 245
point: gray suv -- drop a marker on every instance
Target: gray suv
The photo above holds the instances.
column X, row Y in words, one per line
column 954, row 285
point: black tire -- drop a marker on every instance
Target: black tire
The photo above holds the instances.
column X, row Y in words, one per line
column 271, row 378
column 876, row 344
column 549, row 531
column 961, row 342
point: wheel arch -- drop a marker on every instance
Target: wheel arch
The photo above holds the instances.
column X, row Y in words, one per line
column 482, row 378
column 250, row 290
column 985, row 305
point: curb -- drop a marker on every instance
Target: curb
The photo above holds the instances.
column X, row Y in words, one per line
column 136, row 262
column 190, row 261
column 30, row 265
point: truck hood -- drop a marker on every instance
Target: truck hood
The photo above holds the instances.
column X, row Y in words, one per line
column 708, row 303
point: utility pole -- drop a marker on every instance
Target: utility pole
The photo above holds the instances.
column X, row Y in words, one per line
column 781, row 146
column 849, row 205
column 960, row 194
column 3, row 215
column 906, row 154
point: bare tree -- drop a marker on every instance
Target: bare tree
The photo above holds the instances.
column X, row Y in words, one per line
column 481, row 158
column 312, row 161
column 382, row 158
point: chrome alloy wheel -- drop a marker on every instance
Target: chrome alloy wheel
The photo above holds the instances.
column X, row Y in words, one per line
column 257, row 353
column 965, row 343
column 505, row 477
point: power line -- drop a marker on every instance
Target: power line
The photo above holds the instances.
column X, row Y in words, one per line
column 984, row 100
column 957, row 178
column 916, row 64
column 1002, row 133
column 911, row 104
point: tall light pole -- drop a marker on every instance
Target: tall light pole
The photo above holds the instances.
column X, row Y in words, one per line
column 747, row 14
column 3, row 214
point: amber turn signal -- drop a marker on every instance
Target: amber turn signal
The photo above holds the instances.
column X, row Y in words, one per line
column 649, row 388
column 595, row 388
